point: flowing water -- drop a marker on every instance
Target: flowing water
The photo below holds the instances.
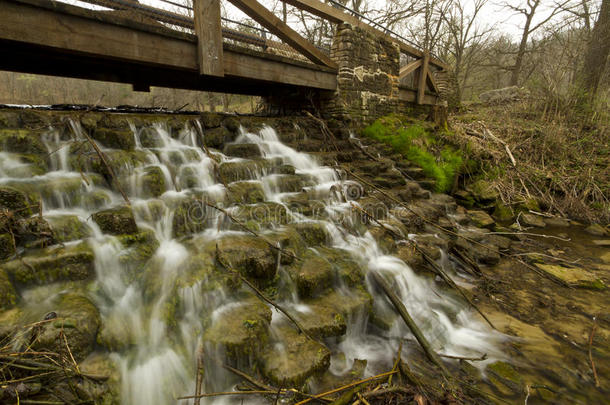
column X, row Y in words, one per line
column 159, row 363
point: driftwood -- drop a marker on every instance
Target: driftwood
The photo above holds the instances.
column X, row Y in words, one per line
column 404, row 314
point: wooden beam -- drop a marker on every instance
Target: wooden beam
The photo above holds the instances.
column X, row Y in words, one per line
column 432, row 82
column 410, row 68
column 74, row 33
column 423, row 75
column 209, row 37
column 410, row 95
column 335, row 15
column 268, row 20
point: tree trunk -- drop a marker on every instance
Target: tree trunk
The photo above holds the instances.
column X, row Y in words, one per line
column 514, row 78
column 598, row 49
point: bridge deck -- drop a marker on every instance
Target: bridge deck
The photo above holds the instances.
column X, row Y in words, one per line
column 45, row 37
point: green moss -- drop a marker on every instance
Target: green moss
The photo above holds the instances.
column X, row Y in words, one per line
column 115, row 138
column 116, row 221
column 67, row 227
column 153, row 182
column 417, row 144
column 8, row 295
column 21, row 141
column 246, row 192
column 17, row 200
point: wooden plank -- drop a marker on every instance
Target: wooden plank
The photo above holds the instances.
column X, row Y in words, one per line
column 421, row 83
column 268, row 20
column 335, row 15
column 410, row 68
column 73, row 31
column 409, row 95
column 209, row 37
column 432, row 82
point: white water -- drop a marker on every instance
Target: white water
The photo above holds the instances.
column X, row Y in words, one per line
column 159, row 364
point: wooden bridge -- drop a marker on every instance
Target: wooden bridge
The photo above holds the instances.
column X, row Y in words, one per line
column 132, row 43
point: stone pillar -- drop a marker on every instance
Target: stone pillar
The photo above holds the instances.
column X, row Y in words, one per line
column 368, row 77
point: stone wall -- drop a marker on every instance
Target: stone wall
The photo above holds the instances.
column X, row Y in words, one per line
column 367, row 79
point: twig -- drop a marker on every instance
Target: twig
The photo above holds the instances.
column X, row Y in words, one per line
column 530, row 234
column 262, row 296
column 333, row 391
column 396, row 363
column 199, row 377
column 591, row 353
column 261, row 386
column 402, row 310
column 217, row 394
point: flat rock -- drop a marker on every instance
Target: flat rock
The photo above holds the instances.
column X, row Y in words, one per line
column 481, row 218
column 292, row 357
column 243, row 150
column 573, row 276
column 532, row 220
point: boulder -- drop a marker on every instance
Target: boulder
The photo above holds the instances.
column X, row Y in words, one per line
column 114, row 138
column 216, row 137
column 116, row 221
column 292, row 358
column 573, row 276
column 72, row 262
column 33, row 232
column 504, row 95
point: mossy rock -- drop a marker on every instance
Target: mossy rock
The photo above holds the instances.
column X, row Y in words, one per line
column 96, row 199
column 250, row 255
column 241, row 329
column 57, row 191
column 505, row 379
column 78, row 320
column 288, row 183
column 216, row 137
column 312, row 275
column 21, row 141
column 18, row 201
column 8, row 295
column 33, row 232
column 27, row 165
column 49, row 265
column 530, row 204
column 115, row 138
column 261, row 215
column 7, row 247
column 122, row 162
column 314, row 233
column 138, row 249
column 153, row 182
column 108, row 392
column 481, row 219
column 246, row 192
column 284, row 169
column 210, row 119
column 191, row 216
column 289, row 240
column 243, row 150
column 329, row 312
column 481, row 252
column 244, row 169
column 68, row 227
column 293, row 358
column 531, row 220
column 231, row 124
column 116, row 221
column 483, row 192
column 9, row 322
column 502, row 213
column 573, row 276
column 596, row 230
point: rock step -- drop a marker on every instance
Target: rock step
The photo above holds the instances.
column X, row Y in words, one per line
column 243, row 150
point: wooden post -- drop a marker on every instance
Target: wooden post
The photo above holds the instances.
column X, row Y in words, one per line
column 423, row 75
column 209, row 37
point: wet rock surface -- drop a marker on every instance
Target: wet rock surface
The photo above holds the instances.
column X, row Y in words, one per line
column 163, row 279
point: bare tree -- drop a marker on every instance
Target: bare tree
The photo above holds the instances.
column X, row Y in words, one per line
column 596, row 56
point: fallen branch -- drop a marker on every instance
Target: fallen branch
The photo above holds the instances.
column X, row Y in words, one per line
column 402, row 310
column 448, row 356
column 262, row 296
column 110, row 169
column 217, row 394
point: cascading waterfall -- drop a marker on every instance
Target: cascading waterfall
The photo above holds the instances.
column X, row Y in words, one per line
column 158, row 364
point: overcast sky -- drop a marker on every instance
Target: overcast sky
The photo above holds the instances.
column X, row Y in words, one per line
column 504, row 20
